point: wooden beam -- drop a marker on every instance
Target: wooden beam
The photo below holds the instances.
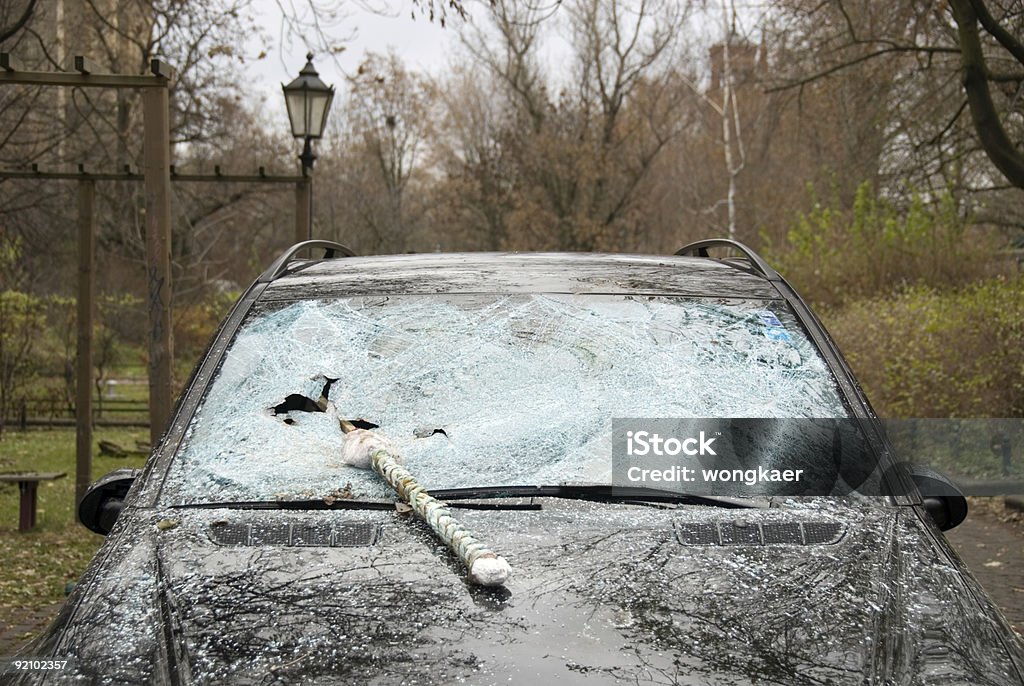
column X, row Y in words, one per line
column 85, row 78
column 131, row 176
column 81, row 80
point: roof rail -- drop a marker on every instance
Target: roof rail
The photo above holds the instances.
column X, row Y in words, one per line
column 280, row 265
column 700, row 249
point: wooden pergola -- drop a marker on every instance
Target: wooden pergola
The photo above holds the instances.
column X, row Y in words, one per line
column 157, row 174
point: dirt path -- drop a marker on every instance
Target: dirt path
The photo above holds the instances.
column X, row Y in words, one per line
column 14, row 633
column 993, row 548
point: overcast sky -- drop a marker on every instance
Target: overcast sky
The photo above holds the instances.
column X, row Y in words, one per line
column 419, row 43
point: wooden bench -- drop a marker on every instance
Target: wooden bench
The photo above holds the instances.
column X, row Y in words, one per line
column 28, row 485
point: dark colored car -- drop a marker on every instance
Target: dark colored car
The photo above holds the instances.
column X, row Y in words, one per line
column 247, row 552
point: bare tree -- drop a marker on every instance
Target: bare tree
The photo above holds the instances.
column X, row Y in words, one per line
column 628, row 99
column 387, row 123
column 723, row 101
column 12, row 20
column 474, row 197
column 943, row 61
column 988, row 122
column 512, row 58
column 570, row 170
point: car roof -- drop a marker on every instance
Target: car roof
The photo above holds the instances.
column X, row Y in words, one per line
column 463, row 273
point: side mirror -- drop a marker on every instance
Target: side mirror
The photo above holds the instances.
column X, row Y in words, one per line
column 104, row 500
column 943, row 501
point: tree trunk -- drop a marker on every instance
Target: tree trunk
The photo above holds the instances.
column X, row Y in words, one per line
column 997, row 145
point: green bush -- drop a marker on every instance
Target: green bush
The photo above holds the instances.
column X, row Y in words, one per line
column 38, row 349
column 195, row 325
column 22, row 322
column 931, row 353
column 834, row 255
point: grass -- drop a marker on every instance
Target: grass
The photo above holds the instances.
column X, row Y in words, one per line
column 38, row 564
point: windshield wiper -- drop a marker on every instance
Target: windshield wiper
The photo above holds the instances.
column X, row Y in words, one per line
column 604, row 493
column 340, row 504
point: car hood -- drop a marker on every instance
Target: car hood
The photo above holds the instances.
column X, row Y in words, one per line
column 600, row 593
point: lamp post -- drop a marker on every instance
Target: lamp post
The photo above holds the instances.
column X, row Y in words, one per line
column 309, row 101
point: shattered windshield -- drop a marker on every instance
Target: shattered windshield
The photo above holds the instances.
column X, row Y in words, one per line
column 481, row 389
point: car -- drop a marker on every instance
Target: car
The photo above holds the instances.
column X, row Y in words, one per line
column 539, row 412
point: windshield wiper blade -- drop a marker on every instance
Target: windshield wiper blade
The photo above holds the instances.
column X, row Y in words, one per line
column 597, row 492
column 340, row 504
column 604, row 493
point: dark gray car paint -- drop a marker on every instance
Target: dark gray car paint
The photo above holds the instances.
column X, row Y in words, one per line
column 600, row 593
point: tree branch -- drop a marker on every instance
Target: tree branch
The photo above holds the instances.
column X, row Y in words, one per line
column 857, row 60
column 934, row 140
column 8, row 31
column 1008, row 41
column 994, row 140
column 1006, row 77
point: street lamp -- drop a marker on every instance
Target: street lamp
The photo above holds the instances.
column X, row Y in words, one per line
column 309, row 101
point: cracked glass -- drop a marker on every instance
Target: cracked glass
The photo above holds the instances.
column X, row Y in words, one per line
column 481, row 389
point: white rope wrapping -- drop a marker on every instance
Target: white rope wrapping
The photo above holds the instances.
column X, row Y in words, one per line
column 486, row 567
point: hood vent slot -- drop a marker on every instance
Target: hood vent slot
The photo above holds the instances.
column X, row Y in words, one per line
column 343, row 535
column 754, row 533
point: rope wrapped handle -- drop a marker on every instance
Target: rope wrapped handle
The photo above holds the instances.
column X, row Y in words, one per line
column 365, row 449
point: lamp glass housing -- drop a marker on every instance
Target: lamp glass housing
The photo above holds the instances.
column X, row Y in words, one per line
column 308, row 100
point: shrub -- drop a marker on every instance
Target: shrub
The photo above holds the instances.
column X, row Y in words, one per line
column 931, row 353
column 834, row 255
column 22, row 321
column 195, row 325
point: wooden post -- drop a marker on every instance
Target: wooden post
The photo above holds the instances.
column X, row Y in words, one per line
column 28, row 491
column 304, row 208
column 83, row 376
column 157, row 177
column 156, row 168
